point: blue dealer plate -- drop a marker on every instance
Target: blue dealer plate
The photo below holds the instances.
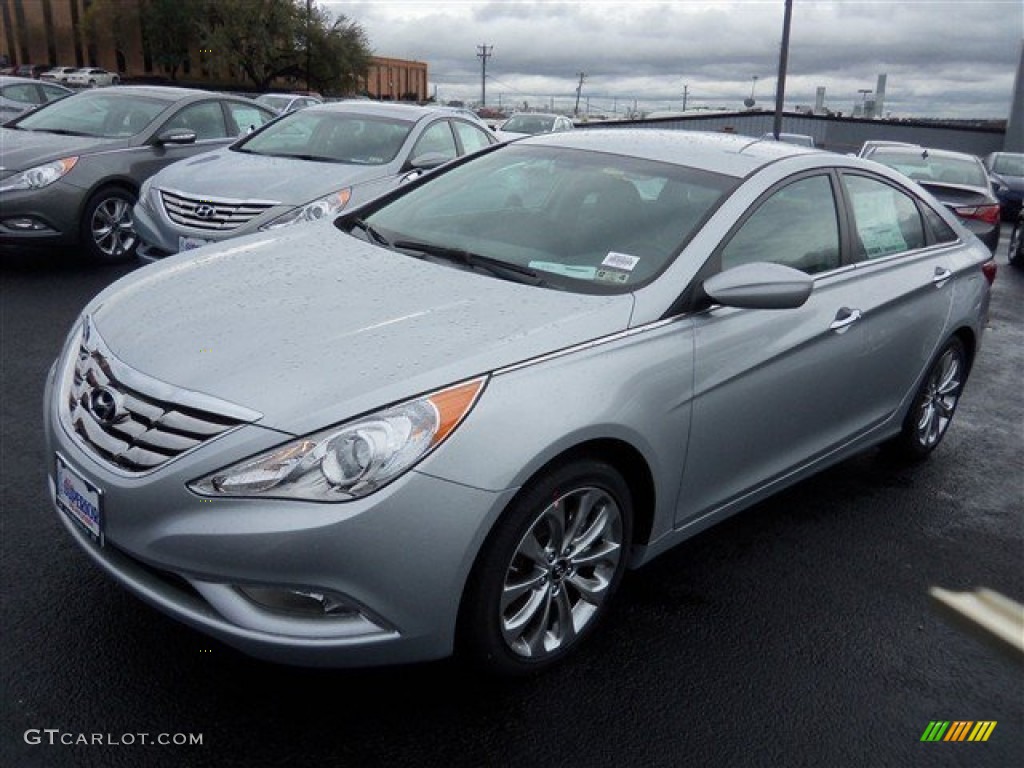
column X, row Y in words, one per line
column 80, row 499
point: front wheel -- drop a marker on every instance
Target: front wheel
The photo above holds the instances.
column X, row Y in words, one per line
column 934, row 404
column 545, row 575
column 108, row 229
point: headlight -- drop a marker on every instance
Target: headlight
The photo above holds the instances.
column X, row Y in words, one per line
column 353, row 459
column 318, row 209
column 40, row 176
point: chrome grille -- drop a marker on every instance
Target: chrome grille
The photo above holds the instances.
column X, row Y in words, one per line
column 131, row 420
column 211, row 215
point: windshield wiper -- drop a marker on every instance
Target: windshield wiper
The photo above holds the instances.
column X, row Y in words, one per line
column 61, row 132
column 496, row 267
column 369, row 229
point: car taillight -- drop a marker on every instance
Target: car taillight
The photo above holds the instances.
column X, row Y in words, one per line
column 988, row 269
column 987, row 213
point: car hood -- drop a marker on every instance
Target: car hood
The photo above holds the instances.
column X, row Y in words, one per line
column 314, row 326
column 236, row 175
column 20, row 150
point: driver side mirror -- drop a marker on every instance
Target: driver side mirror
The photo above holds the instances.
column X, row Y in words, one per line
column 760, row 285
column 176, row 136
column 428, row 161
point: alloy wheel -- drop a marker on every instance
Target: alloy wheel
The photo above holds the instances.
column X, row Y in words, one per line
column 939, row 398
column 113, row 227
column 561, row 572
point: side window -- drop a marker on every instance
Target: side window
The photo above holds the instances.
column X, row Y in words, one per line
column 941, row 231
column 797, row 227
column 52, row 94
column 22, row 92
column 437, row 138
column 246, row 118
column 472, row 138
column 206, row 120
column 885, row 220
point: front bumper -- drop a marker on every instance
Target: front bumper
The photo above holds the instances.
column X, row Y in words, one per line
column 399, row 557
column 52, row 214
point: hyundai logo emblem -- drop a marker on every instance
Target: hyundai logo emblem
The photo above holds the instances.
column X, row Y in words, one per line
column 205, row 211
column 106, row 405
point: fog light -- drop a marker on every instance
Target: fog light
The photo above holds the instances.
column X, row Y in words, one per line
column 25, row 224
column 299, row 602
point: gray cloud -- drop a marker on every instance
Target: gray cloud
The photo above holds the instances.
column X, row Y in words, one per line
column 943, row 57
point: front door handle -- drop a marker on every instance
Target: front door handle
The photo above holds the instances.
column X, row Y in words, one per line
column 941, row 276
column 845, row 317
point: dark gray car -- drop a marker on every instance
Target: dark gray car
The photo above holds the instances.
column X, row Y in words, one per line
column 307, row 165
column 70, row 171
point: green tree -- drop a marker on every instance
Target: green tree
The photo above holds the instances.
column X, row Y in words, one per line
column 337, row 53
column 169, row 29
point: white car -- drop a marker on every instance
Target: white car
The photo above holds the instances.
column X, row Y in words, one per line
column 58, row 74
column 91, row 77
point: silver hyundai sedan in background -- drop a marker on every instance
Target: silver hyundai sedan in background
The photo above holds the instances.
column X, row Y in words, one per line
column 451, row 419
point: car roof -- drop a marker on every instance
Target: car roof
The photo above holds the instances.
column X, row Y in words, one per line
column 410, row 112
column 11, row 79
column 729, row 154
column 165, row 92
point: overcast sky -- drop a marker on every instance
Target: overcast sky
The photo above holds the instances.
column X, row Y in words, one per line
column 944, row 58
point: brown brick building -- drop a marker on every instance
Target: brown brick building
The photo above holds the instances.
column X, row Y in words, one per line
column 52, row 32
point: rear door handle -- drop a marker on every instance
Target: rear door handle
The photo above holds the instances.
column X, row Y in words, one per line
column 941, row 276
column 845, row 317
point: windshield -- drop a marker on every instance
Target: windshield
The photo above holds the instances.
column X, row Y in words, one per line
column 529, row 124
column 585, row 221
column 921, row 165
column 335, row 137
column 1009, row 165
column 95, row 113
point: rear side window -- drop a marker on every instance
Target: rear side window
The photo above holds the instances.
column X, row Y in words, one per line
column 796, row 227
column 885, row 220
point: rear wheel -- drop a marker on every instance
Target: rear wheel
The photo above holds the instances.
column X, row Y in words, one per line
column 545, row 576
column 1014, row 252
column 934, row 404
column 107, row 227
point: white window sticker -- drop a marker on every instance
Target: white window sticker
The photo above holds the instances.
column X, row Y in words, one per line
column 620, row 261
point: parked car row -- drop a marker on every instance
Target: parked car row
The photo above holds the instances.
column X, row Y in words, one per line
column 74, row 76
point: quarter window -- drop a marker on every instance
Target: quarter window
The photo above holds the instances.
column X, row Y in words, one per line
column 797, row 227
column 885, row 220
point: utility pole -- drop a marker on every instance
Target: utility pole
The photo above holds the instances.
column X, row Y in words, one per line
column 780, row 91
column 576, row 110
column 686, row 93
column 483, row 52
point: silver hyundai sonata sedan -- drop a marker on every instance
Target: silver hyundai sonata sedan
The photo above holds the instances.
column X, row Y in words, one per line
column 451, row 419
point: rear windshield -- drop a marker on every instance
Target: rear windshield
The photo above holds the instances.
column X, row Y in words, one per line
column 1009, row 165
column 921, row 165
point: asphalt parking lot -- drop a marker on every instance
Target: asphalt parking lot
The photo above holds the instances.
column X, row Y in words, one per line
column 798, row 633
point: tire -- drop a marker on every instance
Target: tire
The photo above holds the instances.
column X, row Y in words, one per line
column 107, row 227
column 934, row 404
column 115, row 81
column 1015, row 252
column 92, row 83
column 548, row 570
